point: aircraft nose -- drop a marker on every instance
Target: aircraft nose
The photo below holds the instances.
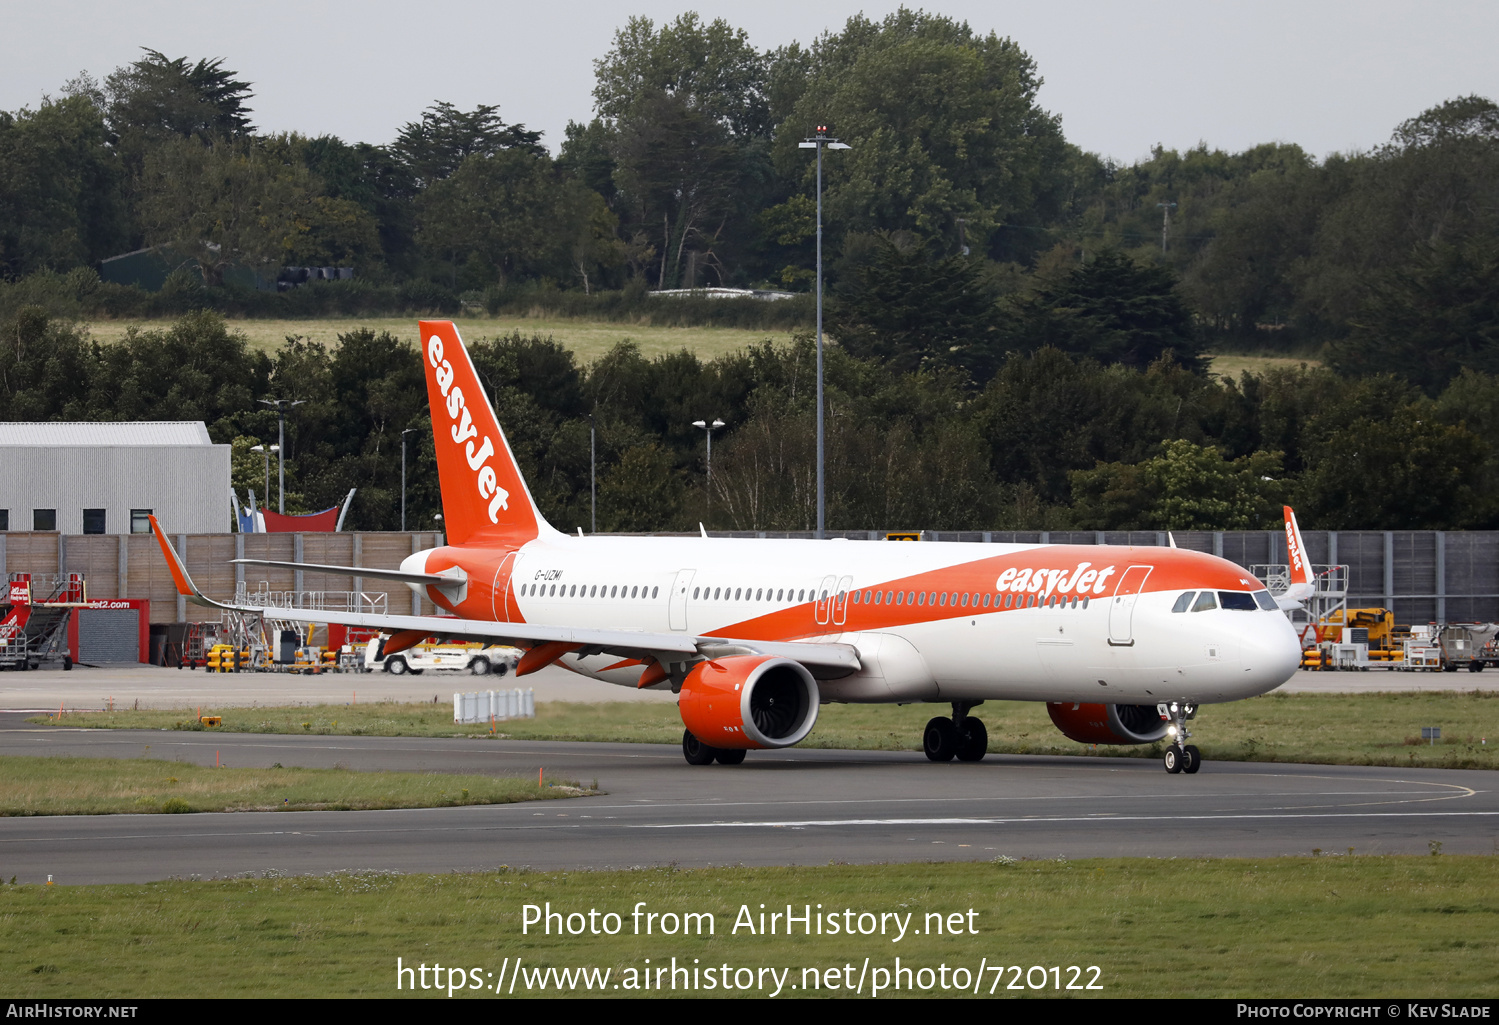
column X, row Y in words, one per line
column 1271, row 652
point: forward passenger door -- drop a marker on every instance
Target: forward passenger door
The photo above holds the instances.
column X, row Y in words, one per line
column 1122, row 607
column 677, row 606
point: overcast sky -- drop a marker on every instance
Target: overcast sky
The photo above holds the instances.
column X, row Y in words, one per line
column 1331, row 76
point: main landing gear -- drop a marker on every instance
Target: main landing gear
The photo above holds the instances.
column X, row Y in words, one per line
column 1180, row 756
column 698, row 753
column 962, row 737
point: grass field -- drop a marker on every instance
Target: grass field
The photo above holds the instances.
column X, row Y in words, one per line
column 1344, row 729
column 587, row 339
column 99, row 786
column 1232, row 366
column 1329, row 926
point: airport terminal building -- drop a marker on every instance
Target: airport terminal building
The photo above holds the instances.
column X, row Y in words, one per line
column 106, row 478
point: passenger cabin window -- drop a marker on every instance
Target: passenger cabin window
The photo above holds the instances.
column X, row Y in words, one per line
column 1205, row 602
column 1184, row 602
column 1237, row 601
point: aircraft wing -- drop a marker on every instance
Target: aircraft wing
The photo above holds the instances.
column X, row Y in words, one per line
column 547, row 643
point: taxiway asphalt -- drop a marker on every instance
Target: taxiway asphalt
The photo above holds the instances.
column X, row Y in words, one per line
column 146, row 686
column 800, row 806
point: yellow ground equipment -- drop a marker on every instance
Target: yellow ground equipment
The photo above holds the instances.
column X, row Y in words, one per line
column 1374, row 627
column 222, row 658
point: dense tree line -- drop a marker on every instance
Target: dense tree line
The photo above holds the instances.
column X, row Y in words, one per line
column 1017, row 341
column 1053, row 440
column 688, row 173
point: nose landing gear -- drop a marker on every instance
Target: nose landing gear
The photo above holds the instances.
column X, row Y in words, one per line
column 962, row 737
column 1180, row 756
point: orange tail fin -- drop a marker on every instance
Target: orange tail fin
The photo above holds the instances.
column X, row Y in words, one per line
column 1301, row 567
column 483, row 494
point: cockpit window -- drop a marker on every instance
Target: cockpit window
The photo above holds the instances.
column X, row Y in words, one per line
column 1237, row 601
column 1184, row 602
column 1266, row 602
column 1205, row 601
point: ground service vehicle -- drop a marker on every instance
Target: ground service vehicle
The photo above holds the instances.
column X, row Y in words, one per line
column 478, row 659
column 1123, row 644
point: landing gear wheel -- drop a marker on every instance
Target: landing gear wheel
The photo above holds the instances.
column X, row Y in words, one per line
column 1173, row 759
column 479, row 667
column 396, row 666
column 973, row 742
column 729, row 755
column 1193, row 760
column 695, row 751
column 940, row 739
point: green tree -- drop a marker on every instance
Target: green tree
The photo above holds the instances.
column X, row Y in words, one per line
column 943, row 123
column 642, row 492
column 1432, row 185
column 1395, row 470
column 1113, row 310
column 907, row 308
column 1186, row 487
column 339, row 222
column 196, row 369
column 435, row 147
column 224, row 204
column 1430, row 320
column 685, row 112
column 160, row 96
column 62, row 203
column 711, row 67
column 1261, row 224
column 501, row 208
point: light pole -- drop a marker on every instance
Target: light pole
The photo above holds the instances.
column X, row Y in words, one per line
column 281, row 406
column 593, row 494
column 409, row 430
column 817, row 142
column 1166, row 209
column 710, row 428
column 265, row 496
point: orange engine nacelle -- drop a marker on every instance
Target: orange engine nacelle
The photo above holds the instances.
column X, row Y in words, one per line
column 749, row 701
column 1108, row 724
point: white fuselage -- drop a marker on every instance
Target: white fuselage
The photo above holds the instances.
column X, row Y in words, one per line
column 1078, row 636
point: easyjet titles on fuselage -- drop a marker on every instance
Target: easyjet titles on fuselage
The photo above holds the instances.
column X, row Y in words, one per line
column 1055, row 581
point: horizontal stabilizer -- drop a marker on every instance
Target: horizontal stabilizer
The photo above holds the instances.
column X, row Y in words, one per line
column 453, row 577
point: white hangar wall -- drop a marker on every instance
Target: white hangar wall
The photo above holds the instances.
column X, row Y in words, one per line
column 171, row 468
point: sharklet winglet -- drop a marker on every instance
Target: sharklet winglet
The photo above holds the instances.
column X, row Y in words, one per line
column 184, row 583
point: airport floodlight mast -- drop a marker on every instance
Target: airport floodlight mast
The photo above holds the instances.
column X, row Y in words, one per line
column 817, row 142
column 710, row 428
column 409, row 430
column 281, row 406
column 265, row 496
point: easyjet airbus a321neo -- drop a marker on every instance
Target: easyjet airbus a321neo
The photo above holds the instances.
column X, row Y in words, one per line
column 1121, row 643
